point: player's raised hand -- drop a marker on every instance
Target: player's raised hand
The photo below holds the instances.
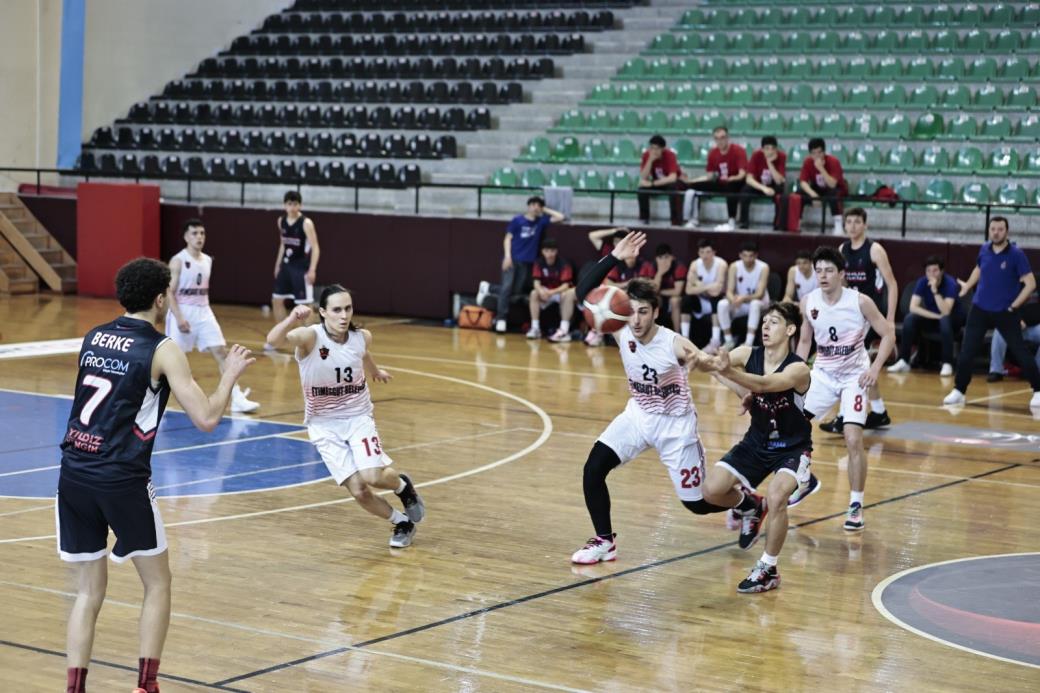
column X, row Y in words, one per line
column 301, row 313
column 628, row 247
column 382, row 375
column 238, row 359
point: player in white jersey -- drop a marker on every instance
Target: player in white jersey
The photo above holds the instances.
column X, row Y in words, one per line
column 190, row 322
column 843, row 372
column 801, row 277
column 746, row 294
column 334, row 360
column 659, row 413
column 705, row 287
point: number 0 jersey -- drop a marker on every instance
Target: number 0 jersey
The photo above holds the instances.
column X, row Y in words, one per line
column 193, row 283
column 657, row 381
column 117, row 408
column 839, row 331
column 333, row 377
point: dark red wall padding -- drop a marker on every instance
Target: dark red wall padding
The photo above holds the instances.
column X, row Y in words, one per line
column 411, row 265
column 114, row 224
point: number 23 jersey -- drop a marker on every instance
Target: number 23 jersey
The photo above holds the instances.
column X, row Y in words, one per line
column 333, row 377
column 657, row 381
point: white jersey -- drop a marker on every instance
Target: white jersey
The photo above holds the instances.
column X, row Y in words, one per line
column 193, row 284
column 333, row 378
column 657, row 382
column 706, row 276
column 803, row 284
column 747, row 280
column 839, row 331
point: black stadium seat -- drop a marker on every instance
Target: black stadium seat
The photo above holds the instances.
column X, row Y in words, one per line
column 335, row 172
column 240, row 169
column 263, row 169
column 384, row 174
column 146, row 139
column 188, row 140
column 150, row 165
column 311, row 172
column 287, row 170
column 172, row 166
column 195, row 167
column 217, row 168
column 359, row 173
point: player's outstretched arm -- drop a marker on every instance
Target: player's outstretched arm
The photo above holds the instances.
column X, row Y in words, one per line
column 205, row 412
column 806, row 334
column 380, row 375
column 795, row 376
column 289, row 332
column 627, row 247
column 888, row 340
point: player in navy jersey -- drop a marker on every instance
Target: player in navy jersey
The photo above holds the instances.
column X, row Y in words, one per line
column 296, row 266
column 127, row 370
column 778, row 441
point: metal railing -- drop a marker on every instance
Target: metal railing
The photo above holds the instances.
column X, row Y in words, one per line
column 483, row 189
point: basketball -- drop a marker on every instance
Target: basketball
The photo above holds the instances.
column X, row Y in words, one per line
column 606, row 308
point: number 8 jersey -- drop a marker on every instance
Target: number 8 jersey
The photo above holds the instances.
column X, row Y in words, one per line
column 839, row 330
column 117, row 408
column 333, row 377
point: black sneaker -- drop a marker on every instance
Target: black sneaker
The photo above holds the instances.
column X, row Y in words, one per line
column 994, row 377
column 761, row 579
column 875, row 420
column 804, row 491
column 751, row 523
column 835, row 425
column 414, row 507
column 402, row 536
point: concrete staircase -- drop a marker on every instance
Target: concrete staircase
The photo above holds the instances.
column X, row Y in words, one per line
column 29, row 254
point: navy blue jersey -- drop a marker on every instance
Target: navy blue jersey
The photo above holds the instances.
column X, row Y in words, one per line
column 297, row 249
column 117, row 409
column 778, row 423
column 860, row 271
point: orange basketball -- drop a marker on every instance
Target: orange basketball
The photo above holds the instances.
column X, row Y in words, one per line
column 606, row 308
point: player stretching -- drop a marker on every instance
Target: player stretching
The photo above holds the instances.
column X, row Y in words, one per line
column 190, row 321
column 842, row 371
column 127, row 370
column 778, row 442
column 333, row 358
column 659, row 413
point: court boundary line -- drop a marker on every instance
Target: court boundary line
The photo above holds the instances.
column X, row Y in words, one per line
column 878, row 591
column 582, row 583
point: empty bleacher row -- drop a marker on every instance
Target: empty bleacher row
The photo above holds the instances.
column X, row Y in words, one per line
column 327, row 91
column 437, row 22
column 874, row 14
column 408, row 44
column 376, row 68
column 454, row 5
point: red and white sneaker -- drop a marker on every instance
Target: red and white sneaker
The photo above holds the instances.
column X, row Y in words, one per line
column 596, row 550
column 560, row 336
column 594, row 339
column 732, row 520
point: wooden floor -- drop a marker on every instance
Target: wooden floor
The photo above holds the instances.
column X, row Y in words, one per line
column 296, row 590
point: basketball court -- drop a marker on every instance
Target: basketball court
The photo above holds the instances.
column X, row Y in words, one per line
column 281, row 583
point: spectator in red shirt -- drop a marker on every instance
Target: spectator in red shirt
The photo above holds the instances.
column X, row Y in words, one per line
column 659, row 172
column 765, row 176
column 822, row 179
column 726, row 170
column 553, row 276
column 670, row 280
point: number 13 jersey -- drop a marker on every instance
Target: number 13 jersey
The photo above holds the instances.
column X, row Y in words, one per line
column 657, row 381
column 839, row 331
column 333, row 377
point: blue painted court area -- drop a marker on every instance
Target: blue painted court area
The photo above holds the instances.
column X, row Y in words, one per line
column 240, row 455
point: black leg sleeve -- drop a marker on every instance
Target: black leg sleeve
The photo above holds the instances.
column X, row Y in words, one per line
column 703, row 507
column 595, row 276
column 597, row 498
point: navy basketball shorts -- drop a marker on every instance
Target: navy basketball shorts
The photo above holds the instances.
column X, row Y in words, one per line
column 84, row 515
column 752, row 465
column 292, row 283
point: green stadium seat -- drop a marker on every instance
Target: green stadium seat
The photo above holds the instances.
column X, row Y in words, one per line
column 685, row 94
column 896, row 126
column 934, row 159
column 892, row 96
column 713, row 94
column 885, row 41
column 739, row 95
column 629, row 94
column 883, row 16
column 860, row 96
column 945, row 41
column 769, row 95
column 888, row 68
column 829, row 68
column 596, row 151
column 662, row 68
column 533, row 178
column 824, row 16
column 962, row 127
column 772, row 123
column 742, row 123
column 700, row 154
column 830, row 96
column 988, row 97
column 688, row 68
column 688, row 43
column 562, row 178
column 654, row 122
column 1030, row 15
column 1032, row 41
column 712, row 119
column 633, row 68
column 854, row 42
column 1031, row 163
column 938, row 190
column 956, row 97
column 900, row 158
column 741, row 42
column 853, row 16
column 1005, row 41
column 772, row 42
column 868, row 186
column 800, row 95
column 1002, row 161
column 967, row 160
column 907, row 189
column 951, row 68
column 928, row 126
column 770, row 16
column 603, row 93
column 798, row 68
column 982, row 69
column 797, row 16
column 504, row 176
column 970, row 15
column 1029, row 128
column 537, row 149
column 1014, row 68
column 654, row 94
column 974, row 41
column 1012, row 194
column 591, row 180
column 865, row 125
column 1021, row 98
column 599, row 120
column 771, row 68
column 840, row 152
column 625, row 151
column 621, row 180
column 941, row 15
column 923, row 96
column 684, row 151
column 663, row 43
column 999, row 15
column 975, row 193
column 867, row 158
column 858, row 68
column 694, row 17
column 833, row 125
column 627, row 121
column 712, row 68
column 571, row 120
column 919, row 68
column 795, row 156
column 717, row 18
column 567, row 149
column 911, row 16
column 996, row 127
column 715, row 44
column 684, row 122
column 802, row 123
column 827, row 42
column 744, row 17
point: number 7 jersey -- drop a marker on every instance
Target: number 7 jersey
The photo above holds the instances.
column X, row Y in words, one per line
column 333, row 377
column 658, row 383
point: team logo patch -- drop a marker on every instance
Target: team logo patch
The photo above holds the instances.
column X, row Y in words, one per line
column 632, row 346
column 814, row 313
column 323, row 352
column 187, row 264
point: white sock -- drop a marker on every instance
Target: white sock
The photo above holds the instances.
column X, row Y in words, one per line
column 768, row 559
column 685, row 327
column 856, row 497
column 716, row 334
column 565, row 326
column 732, row 221
column 402, row 487
column 877, row 406
column 397, row 517
column 536, row 325
column 500, row 325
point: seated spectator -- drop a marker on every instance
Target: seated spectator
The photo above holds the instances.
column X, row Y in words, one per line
column 705, row 287
column 725, row 172
column 934, row 304
column 620, row 277
column 520, row 248
column 659, row 172
column 822, row 180
column 670, row 280
column 1030, row 324
column 801, row 277
column 552, row 276
column 766, row 171
column 746, row 294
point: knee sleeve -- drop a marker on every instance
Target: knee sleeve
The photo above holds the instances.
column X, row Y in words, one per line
column 600, row 462
column 703, row 507
column 723, row 312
